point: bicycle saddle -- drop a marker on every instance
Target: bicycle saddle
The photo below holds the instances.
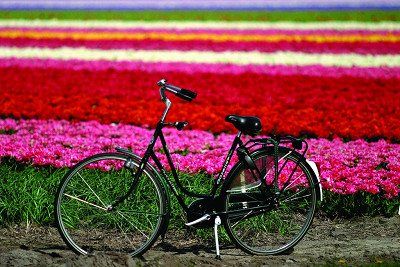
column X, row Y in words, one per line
column 246, row 124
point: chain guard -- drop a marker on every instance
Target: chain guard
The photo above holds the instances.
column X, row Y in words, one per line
column 198, row 208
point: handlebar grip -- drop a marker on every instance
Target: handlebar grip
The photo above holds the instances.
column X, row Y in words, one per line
column 186, row 94
column 179, row 92
column 173, row 87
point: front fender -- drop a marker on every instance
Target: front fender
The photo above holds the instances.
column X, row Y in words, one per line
column 313, row 166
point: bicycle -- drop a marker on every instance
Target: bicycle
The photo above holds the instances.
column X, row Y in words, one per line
column 119, row 201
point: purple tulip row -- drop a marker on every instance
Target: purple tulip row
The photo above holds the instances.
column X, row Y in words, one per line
column 202, row 5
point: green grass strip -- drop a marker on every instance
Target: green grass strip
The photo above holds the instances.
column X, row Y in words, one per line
column 365, row 15
column 27, row 195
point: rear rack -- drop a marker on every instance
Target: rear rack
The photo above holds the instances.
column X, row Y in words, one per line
column 297, row 143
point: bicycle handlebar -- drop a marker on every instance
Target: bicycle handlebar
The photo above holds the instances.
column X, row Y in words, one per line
column 182, row 93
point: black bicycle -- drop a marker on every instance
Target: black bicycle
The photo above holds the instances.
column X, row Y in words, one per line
column 120, row 201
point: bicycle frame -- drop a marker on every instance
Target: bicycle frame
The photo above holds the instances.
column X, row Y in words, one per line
column 149, row 153
column 158, row 134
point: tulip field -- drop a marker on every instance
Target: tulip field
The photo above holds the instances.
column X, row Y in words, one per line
column 72, row 85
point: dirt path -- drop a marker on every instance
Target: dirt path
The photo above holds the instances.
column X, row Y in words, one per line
column 365, row 240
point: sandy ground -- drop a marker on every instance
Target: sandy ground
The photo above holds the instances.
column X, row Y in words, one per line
column 354, row 242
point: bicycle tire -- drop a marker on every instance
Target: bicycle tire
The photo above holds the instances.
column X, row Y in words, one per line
column 280, row 227
column 84, row 194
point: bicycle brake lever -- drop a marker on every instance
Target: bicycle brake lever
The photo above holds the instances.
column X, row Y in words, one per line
column 180, row 125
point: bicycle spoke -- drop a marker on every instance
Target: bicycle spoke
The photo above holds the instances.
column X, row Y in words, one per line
column 138, row 212
column 147, row 219
column 244, row 217
column 291, row 183
column 292, row 196
column 91, row 189
column 86, row 202
column 284, row 164
column 127, row 238
column 134, row 226
column 281, row 158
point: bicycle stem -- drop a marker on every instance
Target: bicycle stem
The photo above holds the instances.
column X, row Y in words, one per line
column 168, row 104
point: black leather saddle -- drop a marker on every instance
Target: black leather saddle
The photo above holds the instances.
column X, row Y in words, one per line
column 246, row 124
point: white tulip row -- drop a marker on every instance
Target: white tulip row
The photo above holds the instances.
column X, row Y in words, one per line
column 234, row 25
column 228, row 57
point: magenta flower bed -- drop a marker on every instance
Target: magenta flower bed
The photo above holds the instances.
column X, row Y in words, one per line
column 346, row 168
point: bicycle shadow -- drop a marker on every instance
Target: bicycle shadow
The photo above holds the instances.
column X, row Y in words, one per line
column 196, row 249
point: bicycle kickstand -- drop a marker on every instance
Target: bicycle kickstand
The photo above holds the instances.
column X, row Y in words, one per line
column 217, row 222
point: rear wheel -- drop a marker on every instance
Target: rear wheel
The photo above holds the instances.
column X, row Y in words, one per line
column 271, row 219
column 87, row 190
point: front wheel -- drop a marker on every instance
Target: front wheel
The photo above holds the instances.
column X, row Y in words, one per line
column 272, row 217
column 85, row 193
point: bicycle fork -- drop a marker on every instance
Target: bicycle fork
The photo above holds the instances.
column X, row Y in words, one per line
column 129, row 164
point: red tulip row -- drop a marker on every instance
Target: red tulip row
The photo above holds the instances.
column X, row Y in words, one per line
column 348, row 107
column 307, row 47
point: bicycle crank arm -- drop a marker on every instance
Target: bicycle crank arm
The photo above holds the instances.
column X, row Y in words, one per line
column 205, row 217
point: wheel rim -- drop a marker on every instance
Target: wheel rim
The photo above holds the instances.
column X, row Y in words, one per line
column 287, row 216
column 86, row 224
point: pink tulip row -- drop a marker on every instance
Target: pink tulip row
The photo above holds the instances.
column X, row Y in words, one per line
column 192, row 68
column 346, row 168
column 199, row 30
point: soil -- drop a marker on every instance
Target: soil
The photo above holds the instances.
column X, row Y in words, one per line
column 350, row 242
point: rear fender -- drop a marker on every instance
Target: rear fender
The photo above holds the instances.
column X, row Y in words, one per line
column 314, row 168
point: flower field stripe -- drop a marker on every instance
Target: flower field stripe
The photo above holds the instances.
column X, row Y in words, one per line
column 192, row 68
column 199, row 5
column 217, row 40
column 238, row 58
column 199, row 15
column 346, row 168
column 377, row 48
column 271, row 31
column 372, row 43
column 233, row 25
column 292, row 104
column 214, row 37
